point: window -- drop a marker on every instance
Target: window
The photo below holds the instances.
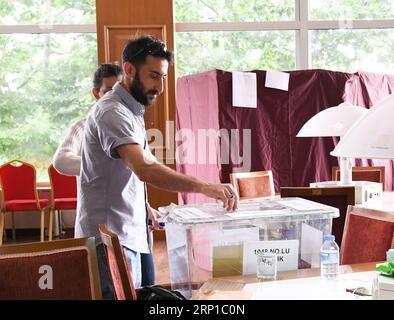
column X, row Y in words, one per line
column 48, row 54
column 351, row 9
column 240, row 50
column 47, row 12
column 342, row 35
column 233, row 11
column 353, row 50
column 46, row 75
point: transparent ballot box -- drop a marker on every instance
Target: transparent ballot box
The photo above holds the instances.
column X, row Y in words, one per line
column 204, row 241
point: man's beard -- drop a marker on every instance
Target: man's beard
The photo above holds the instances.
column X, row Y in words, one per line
column 137, row 90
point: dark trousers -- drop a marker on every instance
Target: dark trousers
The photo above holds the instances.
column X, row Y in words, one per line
column 147, row 269
column 107, row 288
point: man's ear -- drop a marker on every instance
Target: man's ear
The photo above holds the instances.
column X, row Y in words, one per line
column 95, row 93
column 129, row 70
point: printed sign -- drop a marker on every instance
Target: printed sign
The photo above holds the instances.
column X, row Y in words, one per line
column 286, row 251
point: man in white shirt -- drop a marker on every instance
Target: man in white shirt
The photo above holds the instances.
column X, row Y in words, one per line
column 67, row 158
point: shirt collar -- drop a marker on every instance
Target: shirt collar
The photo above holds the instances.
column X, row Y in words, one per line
column 137, row 108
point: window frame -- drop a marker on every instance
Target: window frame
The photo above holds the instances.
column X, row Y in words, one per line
column 46, row 29
column 49, row 28
column 301, row 25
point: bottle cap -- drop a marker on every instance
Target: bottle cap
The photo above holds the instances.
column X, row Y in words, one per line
column 329, row 237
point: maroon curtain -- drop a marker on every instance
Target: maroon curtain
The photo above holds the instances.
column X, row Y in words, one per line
column 276, row 121
column 367, row 89
column 197, row 112
column 204, row 101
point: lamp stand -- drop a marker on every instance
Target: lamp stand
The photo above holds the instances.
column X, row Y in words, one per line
column 345, row 170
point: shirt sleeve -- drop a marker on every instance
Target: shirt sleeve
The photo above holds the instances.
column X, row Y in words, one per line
column 67, row 158
column 116, row 128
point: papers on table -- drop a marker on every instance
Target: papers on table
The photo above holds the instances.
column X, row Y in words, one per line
column 191, row 213
column 253, row 214
column 262, row 208
column 244, row 89
column 302, row 205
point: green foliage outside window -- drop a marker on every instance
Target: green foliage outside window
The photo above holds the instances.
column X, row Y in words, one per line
column 44, row 12
column 351, row 9
column 45, row 83
column 234, row 10
column 234, row 51
column 45, row 79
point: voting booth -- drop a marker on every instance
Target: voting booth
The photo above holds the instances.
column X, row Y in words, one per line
column 204, row 241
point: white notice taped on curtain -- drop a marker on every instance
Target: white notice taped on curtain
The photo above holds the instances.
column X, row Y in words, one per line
column 244, row 89
column 277, row 80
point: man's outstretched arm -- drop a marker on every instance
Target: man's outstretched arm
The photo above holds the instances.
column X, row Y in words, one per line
column 165, row 178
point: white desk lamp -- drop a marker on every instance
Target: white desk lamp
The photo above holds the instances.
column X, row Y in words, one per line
column 372, row 136
column 335, row 121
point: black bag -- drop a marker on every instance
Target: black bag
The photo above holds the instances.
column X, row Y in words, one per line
column 158, row 293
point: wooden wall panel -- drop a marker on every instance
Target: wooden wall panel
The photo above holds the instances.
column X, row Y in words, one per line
column 114, row 39
column 119, row 20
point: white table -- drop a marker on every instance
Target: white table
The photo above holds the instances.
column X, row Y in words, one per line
column 314, row 288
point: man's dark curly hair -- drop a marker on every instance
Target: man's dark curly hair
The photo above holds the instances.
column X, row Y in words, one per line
column 105, row 71
column 136, row 50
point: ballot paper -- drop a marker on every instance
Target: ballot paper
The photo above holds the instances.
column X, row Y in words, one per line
column 191, row 213
column 302, row 205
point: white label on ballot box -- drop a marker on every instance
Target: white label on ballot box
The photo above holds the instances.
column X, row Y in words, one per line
column 285, row 250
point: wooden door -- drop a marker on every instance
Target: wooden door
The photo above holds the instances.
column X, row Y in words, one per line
column 119, row 20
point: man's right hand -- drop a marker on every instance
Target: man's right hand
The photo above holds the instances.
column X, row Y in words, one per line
column 163, row 177
column 224, row 193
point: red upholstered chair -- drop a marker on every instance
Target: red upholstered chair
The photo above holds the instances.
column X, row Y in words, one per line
column 255, row 184
column 374, row 174
column 118, row 266
column 368, row 234
column 338, row 197
column 63, row 195
column 19, row 193
column 61, row 269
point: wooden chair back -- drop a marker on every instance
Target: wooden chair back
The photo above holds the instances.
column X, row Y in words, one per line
column 60, row 270
column 338, row 197
column 255, row 184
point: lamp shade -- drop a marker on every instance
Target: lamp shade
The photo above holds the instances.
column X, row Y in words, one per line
column 372, row 136
column 333, row 121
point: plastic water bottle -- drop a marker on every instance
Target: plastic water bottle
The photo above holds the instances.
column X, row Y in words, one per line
column 329, row 258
